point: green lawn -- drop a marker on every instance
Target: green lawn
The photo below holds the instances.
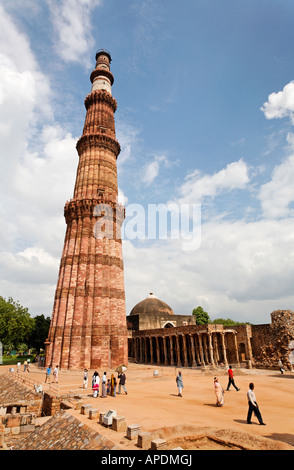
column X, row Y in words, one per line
column 13, row 360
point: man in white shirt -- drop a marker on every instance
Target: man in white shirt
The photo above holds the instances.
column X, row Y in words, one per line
column 103, row 395
column 253, row 407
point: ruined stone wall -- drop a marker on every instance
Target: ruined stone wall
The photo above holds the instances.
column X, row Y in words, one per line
column 51, row 404
column 16, row 426
column 271, row 342
column 16, row 394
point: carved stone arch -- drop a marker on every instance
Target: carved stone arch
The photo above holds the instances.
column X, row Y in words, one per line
column 168, row 324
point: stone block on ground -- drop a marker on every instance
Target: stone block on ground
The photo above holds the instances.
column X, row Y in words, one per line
column 119, row 424
column 144, row 440
column 133, row 431
column 101, row 416
column 93, row 414
column 85, row 409
column 158, row 444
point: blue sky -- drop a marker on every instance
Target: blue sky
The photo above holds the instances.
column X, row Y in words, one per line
column 205, row 116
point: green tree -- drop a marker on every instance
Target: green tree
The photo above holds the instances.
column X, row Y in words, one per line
column 22, row 348
column 15, row 323
column 202, row 318
column 40, row 332
column 228, row 322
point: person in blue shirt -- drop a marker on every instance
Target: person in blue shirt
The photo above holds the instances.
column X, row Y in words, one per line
column 48, row 373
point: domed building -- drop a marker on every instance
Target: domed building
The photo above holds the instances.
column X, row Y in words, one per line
column 157, row 336
column 152, row 313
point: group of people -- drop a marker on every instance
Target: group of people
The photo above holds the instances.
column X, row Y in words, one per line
column 55, row 373
column 219, row 393
column 26, row 366
column 108, row 386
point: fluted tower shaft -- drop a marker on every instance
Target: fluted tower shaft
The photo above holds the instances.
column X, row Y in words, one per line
column 88, row 324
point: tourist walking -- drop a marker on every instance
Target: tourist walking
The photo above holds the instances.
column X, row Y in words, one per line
column 48, row 373
column 219, row 392
column 253, row 406
column 122, row 382
column 104, row 394
column 180, row 385
column 231, row 380
column 95, row 384
column 282, row 370
column 55, row 374
column 25, row 365
column 85, row 379
column 108, row 387
column 18, row 366
column 114, row 386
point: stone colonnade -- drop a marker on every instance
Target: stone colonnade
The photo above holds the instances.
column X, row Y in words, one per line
column 186, row 347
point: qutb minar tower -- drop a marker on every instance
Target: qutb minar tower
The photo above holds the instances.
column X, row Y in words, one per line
column 88, row 324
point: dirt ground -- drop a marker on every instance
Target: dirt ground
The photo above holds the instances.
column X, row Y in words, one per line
column 153, row 403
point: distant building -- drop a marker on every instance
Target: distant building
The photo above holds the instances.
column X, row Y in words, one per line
column 154, row 313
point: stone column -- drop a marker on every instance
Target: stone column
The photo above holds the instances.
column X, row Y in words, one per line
column 202, row 361
column 145, row 356
column 192, row 351
column 157, row 350
column 137, row 350
column 248, row 349
column 206, row 356
column 186, row 364
column 236, row 348
column 172, row 363
column 210, row 349
column 224, row 348
column 141, row 349
column 178, row 352
column 165, row 351
column 151, row 350
column 215, row 348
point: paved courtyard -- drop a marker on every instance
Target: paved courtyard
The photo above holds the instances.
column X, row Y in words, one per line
column 152, row 401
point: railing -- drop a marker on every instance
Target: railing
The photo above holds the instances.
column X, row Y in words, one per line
column 105, row 51
column 24, row 380
column 68, row 390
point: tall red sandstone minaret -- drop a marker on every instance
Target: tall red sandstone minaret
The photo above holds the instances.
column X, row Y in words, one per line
column 88, row 325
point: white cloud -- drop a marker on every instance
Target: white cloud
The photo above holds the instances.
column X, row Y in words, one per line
column 241, row 270
column 22, row 83
column 29, row 276
column 128, row 137
column 50, row 173
column 121, row 197
column 32, row 265
column 277, row 194
column 38, row 164
column 72, row 23
column 151, row 170
column 196, row 187
column 281, row 104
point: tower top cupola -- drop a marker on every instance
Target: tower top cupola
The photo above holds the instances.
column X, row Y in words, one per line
column 101, row 77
